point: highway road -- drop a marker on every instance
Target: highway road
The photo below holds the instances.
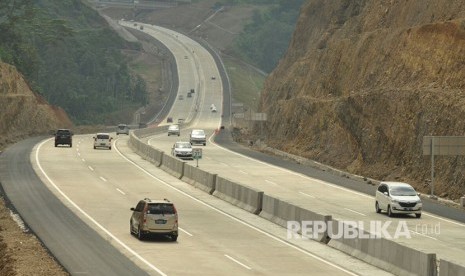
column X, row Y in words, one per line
column 432, row 233
column 101, row 185
column 77, row 201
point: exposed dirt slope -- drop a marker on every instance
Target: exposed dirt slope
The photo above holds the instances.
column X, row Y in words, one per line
column 24, row 113
column 364, row 81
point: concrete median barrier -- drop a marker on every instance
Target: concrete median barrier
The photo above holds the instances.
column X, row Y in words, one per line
column 240, row 195
column 145, row 151
column 284, row 213
column 200, row 179
column 447, row 268
column 383, row 252
column 144, row 132
column 173, row 166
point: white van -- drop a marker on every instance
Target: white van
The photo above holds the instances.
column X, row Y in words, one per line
column 102, row 140
column 397, row 198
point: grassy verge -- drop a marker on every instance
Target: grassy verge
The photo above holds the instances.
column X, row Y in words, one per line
column 246, row 83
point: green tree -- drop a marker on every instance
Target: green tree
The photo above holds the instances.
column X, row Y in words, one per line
column 266, row 38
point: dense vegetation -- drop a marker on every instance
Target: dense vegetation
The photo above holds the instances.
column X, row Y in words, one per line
column 69, row 55
column 265, row 40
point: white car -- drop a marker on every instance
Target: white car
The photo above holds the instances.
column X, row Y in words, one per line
column 182, row 150
column 397, row 198
column 213, row 108
column 173, row 130
column 102, row 140
column 198, row 136
column 122, row 129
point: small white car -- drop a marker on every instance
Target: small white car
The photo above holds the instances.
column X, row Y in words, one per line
column 174, row 130
column 102, row 140
column 122, row 129
column 182, row 150
column 397, row 198
column 213, row 108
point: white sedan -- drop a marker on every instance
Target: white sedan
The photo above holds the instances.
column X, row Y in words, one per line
column 182, row 150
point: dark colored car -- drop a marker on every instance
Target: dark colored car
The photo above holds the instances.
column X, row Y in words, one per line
column 63, row 137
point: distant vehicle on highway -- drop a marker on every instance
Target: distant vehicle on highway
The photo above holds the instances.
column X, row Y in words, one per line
column 397, row 198
column 174, row 130
column 102, row 140
column 154, row 217
column 182, row 150
column 213, row 108
column 169, row 120
column 197, row 136
column 122, row 129
column 64, row 137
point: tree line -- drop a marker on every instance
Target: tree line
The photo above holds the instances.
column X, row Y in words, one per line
column 69, row 55
column 266, row 38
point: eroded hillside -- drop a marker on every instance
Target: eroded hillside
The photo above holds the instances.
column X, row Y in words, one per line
column 24, row 113
column 364, row 81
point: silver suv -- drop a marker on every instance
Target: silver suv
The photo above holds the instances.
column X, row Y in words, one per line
column 397, row 198
column 154, row 217
column 122, row 129
column 198, row 136
column 174, row 130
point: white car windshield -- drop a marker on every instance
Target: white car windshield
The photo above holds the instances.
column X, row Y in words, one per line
column 183, row 145
column 403, row 191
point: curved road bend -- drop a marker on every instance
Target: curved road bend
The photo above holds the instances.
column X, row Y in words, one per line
column 78, row 248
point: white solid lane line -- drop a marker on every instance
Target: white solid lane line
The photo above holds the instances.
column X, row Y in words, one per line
column 189, row 234
column 237, row 262
column 353, row 211
column 418, row 233
column 270, row 182
column 302, row 193
column 120, row 191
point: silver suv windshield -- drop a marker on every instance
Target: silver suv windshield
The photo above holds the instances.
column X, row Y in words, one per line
column 198, row 132
column 160, row 208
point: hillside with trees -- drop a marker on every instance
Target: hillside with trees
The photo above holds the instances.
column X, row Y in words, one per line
column 266, row 38
column 70, row 56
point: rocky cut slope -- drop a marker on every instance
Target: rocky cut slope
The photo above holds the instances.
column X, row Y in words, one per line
column 23, row 112
column 362, row 83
